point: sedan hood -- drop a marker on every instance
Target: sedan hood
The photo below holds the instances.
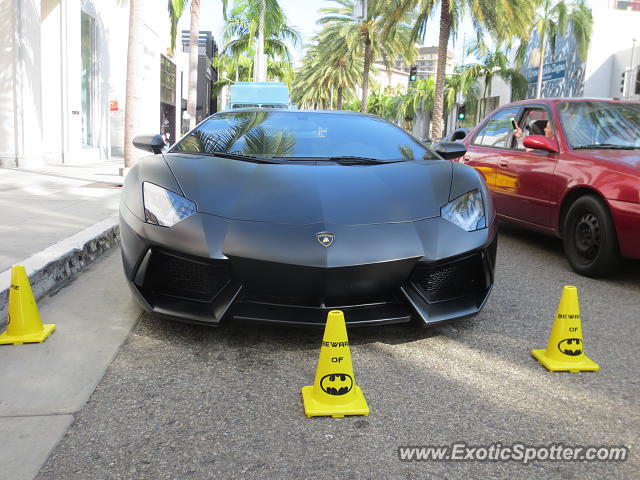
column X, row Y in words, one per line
column 625, row 158
column 301, row 194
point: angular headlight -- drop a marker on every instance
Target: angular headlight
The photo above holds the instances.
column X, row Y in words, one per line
column 466, row 211
column 163, row 207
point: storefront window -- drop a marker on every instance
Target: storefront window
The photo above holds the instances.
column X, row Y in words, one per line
column 88, row 54
column 167, row 81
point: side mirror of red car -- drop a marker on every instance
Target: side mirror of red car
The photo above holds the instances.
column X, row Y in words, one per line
column 540, row 142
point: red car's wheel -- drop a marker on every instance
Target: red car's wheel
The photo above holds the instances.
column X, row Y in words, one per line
column 589, row 238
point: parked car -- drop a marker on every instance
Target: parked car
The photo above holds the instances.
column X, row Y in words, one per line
column 280, row 215
column 569, row 167
column 457, row 135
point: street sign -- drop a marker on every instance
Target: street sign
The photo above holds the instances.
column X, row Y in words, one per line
column 552, row 71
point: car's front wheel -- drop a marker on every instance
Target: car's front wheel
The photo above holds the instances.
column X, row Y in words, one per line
column 589, row 238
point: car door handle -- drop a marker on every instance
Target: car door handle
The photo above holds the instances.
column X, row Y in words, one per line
column 503, row 163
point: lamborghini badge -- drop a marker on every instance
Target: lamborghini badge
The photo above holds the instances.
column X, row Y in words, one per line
column 325, row 238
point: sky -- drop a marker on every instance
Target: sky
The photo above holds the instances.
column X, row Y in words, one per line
column 302, row 15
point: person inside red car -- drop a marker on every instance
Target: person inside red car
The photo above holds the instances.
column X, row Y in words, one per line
column 534, row 127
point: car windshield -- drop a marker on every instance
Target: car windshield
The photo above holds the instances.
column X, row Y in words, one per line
column 297, row 135
column 600, row 124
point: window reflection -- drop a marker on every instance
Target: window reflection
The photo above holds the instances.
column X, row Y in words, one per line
column 289, row 134
column 600, row 123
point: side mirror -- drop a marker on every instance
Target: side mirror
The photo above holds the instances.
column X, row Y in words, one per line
column 540, row 142
column 450, row 150
column 458, row 135
column 149, row 143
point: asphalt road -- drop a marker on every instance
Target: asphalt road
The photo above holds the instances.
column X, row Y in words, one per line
column 191, row 402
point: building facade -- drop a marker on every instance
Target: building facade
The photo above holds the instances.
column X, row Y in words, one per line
column 426, row 62
column 206, row 103
column 610, row 55
column 63, row 70
column 390, row 79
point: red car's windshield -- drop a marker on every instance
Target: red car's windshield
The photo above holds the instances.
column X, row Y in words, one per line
column 591, row 124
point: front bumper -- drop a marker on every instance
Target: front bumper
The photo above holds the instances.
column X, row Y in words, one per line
column 626, row 217
column 208, row 269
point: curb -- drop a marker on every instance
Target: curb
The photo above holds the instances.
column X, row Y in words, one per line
column 56, row 265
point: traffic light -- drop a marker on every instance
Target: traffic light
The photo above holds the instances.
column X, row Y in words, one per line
column 462, row 110
column 413, row 73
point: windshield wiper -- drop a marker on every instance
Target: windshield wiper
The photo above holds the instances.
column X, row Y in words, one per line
column 355, row 160
column 241, row 156
column 608, row 146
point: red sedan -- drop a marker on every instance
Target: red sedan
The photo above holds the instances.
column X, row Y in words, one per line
column 569, row 167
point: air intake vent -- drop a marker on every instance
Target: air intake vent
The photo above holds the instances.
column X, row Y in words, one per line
column 457, row 279
column 177, row 276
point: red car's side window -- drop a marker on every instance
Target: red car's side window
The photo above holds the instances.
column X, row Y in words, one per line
column 535, row 121
column 498, row 131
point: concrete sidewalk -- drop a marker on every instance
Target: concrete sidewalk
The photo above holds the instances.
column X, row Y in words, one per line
column 104, row 171
column 41, row 209
column 42, row 386
column 55, row 222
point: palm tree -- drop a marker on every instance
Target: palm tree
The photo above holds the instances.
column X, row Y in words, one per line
column 194, row 40
column 373, row 38
column 261, row 24
column 492, row 64
column 503, row 19
column 307, row 91
column 246, row 132
column 176, row 8
column 329, row 66
column 551, row 21
column 134, row 87
column 464, row 88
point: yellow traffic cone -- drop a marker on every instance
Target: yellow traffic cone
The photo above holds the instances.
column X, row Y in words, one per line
column 334, row 391
column 24, row 324
column 565, row 350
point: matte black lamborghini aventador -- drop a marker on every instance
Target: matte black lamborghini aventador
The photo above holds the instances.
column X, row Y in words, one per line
column 279, row 216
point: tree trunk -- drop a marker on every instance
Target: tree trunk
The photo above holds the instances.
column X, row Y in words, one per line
column 443, row 44
column 365, row 74
column 418, row 124
column 484, row 100
column 540, row 68
column 194, row 34
column 134, row 76
column 339, row 101
column 258, row 67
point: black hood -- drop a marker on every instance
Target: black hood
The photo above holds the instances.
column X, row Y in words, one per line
column 306, row 194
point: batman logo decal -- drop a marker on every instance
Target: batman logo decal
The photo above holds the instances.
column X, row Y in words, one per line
column 570, row 346
column 336, row 383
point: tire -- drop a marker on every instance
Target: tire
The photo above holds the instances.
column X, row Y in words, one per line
column 589, row 238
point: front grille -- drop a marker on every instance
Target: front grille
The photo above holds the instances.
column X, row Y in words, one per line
column 177, row 276
column 318, row 302
column 448, row 281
